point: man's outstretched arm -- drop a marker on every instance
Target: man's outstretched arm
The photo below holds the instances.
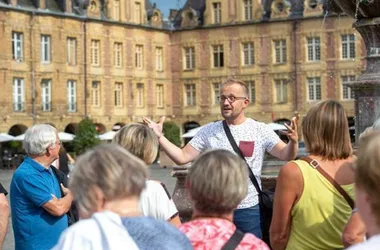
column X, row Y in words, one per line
column 178, row 155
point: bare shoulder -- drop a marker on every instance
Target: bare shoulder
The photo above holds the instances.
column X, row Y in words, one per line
column 290, row 171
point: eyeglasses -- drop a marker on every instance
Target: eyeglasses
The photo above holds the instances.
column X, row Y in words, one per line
column 230, row 98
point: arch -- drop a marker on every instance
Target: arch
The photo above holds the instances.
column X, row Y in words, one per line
column 190, row 125
column 17, row 129
column 282, row 121
column 117, row 126
column 100, row 128
column 71, row 128
column 51, row 124
column 187, row 126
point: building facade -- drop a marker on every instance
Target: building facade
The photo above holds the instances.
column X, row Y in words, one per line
column 118, row 60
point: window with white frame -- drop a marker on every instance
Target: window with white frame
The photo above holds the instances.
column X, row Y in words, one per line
column 18, row 94
column 217, row 7
column 280, row 51
column 17, row 46
column 118, row 94
column 46, row 94
column 137, row 12
column 139, row 56
column 45, row 48
column 313, row 49
column 118, row 53
column 347, row 91
column 95, row 93
column 251, row 91
column 71, row 51
column 71, row 96
column 218, row 56
column 160, row 95
column 248, row 53
column 314, row 88
column 281, row 86
column 189, row 58
column 159, row 59
column 95, row 52
column 140, row 95
column 216, row 90
column 348, row 46
column 247, row 10
column 190, row 95
column 116, row 10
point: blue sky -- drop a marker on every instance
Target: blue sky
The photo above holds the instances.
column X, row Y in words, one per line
column 166, row 5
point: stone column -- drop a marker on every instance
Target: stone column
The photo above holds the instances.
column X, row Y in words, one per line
column 367, row 86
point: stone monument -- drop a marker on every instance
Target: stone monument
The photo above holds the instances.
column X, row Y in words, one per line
column 366, row 14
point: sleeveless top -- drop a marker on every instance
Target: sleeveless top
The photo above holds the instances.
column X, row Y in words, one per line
column 319, row 216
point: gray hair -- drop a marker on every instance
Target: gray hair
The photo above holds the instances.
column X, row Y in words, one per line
column 369, row 130
column 110, row 169
column 38, row 138
column 217, row 182
column 376, row 125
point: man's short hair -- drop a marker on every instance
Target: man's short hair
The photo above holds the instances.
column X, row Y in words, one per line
column 108, row 168
column 242, row 84
column 217, row 182
column 38, row 138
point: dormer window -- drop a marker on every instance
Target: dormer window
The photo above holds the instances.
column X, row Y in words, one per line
column 313, row 4
column 280, row 7
column 217, row 7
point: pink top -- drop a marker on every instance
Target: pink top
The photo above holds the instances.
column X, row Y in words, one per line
column 213, row 233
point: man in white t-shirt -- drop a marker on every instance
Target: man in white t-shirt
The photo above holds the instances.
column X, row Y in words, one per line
column 252, row 137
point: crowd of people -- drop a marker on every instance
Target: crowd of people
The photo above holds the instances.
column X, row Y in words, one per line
column 327, row 200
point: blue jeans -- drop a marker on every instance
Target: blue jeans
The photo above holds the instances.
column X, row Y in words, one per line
column 248, row 220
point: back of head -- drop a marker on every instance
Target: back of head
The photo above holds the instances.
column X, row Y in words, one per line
column 217, row 182
column 38, row 138
column 139, row 140
column 368, row 170
column 325, row 131
column 109, row 168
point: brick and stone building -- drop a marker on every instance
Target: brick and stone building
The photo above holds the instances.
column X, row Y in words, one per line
column 117, row 60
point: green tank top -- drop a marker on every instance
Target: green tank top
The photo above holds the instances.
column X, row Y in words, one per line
column 319, row 217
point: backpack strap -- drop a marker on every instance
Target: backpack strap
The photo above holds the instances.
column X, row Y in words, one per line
column 234, row 240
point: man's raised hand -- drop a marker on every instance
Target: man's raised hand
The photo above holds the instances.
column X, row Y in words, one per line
column 156, row 127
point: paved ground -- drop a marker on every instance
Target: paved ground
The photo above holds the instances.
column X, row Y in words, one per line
column 157, row 173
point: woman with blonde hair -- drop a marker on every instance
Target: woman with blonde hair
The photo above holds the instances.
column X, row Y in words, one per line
column 309, row 210
column 217, row 183
column 155, row 200
column 367, row 182
column 107, row 183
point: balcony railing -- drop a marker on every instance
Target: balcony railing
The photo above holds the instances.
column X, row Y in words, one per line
column 18, row 106
column 72, row 107
column 46, row 106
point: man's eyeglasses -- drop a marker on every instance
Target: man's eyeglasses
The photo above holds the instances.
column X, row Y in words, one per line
column 230, row 98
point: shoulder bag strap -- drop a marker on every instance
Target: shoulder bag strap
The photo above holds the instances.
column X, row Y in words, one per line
column 238, row 151
column 315, row 165
column 234, row 240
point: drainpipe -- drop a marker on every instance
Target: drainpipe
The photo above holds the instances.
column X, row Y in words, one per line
column 294, row 36
column 32, row 73
column 85, row 66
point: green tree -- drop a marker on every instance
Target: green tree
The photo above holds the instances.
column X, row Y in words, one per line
column 86, row 137
column 172, row 133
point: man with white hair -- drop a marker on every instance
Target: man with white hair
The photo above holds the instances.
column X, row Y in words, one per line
column 37, row 208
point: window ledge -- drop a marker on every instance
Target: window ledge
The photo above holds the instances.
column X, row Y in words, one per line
column 279, row 64
column 188, row 70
